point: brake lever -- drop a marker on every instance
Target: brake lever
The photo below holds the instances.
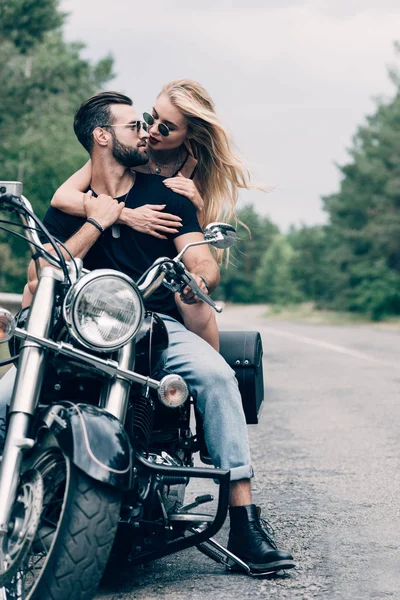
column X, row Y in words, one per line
column 188, row 279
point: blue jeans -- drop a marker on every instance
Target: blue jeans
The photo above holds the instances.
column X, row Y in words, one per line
column 213, row 384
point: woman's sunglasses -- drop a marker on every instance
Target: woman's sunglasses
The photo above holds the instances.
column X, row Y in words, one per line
column 149, row 119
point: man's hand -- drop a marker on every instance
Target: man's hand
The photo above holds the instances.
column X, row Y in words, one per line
column 103, row 209
column 151, row 219
column 199, row 262
column 188, row 296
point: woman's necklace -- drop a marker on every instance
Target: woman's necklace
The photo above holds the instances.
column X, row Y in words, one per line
column 161, row 164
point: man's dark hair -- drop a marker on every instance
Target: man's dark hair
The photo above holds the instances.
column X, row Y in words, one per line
column 95, row 112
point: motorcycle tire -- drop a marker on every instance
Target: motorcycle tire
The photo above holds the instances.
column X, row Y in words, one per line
column 78, row 523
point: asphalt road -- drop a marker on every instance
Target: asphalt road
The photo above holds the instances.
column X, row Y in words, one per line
column 326, row 455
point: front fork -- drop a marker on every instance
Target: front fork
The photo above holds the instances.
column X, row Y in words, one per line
column 26, row 391
column 115, row 392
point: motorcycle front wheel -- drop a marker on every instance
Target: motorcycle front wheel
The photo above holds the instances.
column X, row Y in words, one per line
column 74, row 535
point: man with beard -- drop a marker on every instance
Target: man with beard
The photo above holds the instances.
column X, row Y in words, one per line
column 108, row 128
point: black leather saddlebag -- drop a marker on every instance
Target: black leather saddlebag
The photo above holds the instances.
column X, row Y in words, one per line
column 243, row 351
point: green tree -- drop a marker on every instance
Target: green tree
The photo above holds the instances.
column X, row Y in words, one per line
column 44, row 80
column 274, row 280
column 238, row 279
column 26, row 22
column 375, row 289
column 364, row 215
column 310, row 264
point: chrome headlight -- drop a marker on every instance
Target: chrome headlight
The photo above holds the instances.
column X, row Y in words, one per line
column 103, row 310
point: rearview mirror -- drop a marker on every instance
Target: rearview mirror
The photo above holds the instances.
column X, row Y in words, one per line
column 220, row 235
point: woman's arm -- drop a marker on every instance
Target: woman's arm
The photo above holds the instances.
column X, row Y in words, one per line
column 186, row 187
column 147, row 218
column 69, row 196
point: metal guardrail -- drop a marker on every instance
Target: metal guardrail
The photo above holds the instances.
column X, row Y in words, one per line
column 11, row 302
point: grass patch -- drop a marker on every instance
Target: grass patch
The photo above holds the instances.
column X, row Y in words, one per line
column 307, row 313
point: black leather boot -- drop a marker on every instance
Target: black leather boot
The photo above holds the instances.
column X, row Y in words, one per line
column 253, row 544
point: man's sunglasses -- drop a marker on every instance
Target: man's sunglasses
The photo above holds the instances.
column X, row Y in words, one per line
column 149, row 120
column 135, row 125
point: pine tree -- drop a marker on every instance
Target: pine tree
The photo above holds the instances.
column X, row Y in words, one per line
column 365, row 216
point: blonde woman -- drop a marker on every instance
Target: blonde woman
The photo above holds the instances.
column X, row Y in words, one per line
column 191, row 150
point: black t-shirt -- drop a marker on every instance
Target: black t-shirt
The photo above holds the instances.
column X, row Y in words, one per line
column 133, row 252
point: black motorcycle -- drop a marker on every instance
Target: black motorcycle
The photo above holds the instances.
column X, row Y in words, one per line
column 99, row 448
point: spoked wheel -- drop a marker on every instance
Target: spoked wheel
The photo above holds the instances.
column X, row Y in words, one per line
column 23, row 525
column 69, row 544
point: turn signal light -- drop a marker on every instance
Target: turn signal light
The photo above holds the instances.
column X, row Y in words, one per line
column 173, row 391
column 7, row 325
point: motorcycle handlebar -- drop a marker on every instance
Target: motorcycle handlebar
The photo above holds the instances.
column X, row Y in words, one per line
column 23, row 208
column 155, row 276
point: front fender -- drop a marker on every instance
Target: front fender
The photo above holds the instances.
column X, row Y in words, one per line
column 94, row 440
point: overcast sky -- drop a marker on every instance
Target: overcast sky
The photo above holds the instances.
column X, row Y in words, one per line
column 291, row 79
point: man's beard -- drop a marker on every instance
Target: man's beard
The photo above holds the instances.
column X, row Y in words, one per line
column 127, row 156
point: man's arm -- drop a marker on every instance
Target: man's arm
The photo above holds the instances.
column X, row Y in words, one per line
column 104, row 211
column 200, row 262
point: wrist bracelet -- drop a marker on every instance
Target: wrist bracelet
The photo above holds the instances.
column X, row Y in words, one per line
column 205, row 283
column 96, row 224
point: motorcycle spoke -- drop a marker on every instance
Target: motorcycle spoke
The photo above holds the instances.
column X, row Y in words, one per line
column 50, row 522
column 53, row 473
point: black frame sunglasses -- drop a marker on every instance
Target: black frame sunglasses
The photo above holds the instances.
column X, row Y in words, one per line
column 162, row 128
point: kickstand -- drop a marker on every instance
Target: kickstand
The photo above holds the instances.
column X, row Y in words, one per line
column 223, row 556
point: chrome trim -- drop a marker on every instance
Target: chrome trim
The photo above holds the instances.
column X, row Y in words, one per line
column 191, row 245
column 220, row 235
column 154, row 278
column 227, row 556
column 165, row 383
column 31, row 362
column 27, row 388
column 75, row 270
column 72, row 297
column 115, row 393
column 154, row 285
column 16, row 442
column 7, row 319
column 190, row 518
column 107, row 366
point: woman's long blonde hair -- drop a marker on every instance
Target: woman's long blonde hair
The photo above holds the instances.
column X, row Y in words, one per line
column 220, row 171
